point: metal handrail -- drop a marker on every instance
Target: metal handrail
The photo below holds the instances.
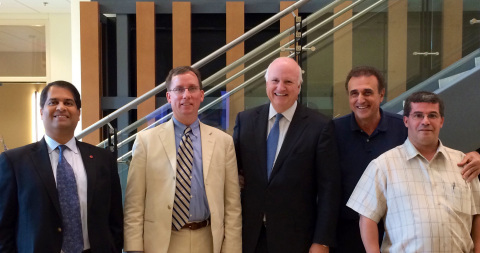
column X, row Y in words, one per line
column 198, row 64
column 208, row 106
column 244, row 59
column 254, row 78
column 346, row 22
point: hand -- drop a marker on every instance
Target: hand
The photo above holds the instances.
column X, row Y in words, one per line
column 318, row 248
column 471, row 166
column 241, row 181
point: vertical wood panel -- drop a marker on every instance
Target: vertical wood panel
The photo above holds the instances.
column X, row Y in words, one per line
column 397, row 48
column 235, row 24
column 342, row 60
column 181, row 33
column 285, row 23
column 90, row 66
column 145, row 19
column 452, row 32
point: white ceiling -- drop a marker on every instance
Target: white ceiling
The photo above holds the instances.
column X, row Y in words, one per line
column 34, row 6
column 25, row 38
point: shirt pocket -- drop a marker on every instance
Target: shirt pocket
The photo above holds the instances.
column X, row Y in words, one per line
column 458, row 196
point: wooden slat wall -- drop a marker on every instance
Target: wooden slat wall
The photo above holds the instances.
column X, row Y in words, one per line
column 452, row 32
column 145, row 19
column 235, row 24
column 91, row 67
column 342, row 60
column 397, row 48
column 181, row 33
column 285, row 23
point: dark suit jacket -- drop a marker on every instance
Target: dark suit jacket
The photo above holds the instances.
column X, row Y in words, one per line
column 30, row 218
column 306, row 169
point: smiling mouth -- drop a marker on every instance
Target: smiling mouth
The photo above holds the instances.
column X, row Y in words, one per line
column 362, row 107
column 60, row 116
column 280, row 94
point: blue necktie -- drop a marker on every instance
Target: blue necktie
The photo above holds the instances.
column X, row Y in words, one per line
column 69, row 205
column 272, row 143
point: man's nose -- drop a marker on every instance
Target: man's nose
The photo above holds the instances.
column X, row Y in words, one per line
column 361, row 97
column 281, row 86
column 425, row 120
column 186, row 93
column 60, row 106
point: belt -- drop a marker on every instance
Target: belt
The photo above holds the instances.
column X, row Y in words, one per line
column 197, row 225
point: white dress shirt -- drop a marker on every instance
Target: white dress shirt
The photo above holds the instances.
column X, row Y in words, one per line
column 283, row 124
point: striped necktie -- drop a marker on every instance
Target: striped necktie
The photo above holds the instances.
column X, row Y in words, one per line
column 69, row 205
column 181, row 204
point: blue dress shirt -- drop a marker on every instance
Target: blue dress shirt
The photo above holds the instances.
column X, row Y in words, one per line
column 199, row 210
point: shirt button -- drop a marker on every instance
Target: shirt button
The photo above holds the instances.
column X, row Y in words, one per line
column 368, row 140
column 59, row 230
column 169, row 207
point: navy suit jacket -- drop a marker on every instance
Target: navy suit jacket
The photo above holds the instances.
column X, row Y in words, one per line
column 30, row 218
column 301, row 199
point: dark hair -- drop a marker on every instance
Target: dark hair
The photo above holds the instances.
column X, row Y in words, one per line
column 423, row 97
column 61, row 84
column 366, row 71
column 182, row 70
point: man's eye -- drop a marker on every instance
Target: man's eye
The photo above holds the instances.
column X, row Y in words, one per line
column 418, row 116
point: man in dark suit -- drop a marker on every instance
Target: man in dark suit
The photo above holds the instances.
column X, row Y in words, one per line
column 56, row 202
column 292, row 205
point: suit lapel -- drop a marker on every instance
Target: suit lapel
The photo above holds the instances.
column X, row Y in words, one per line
column 294, row 132
column 208, row 143
column 166, row 133
column 41, row 163
column 260, row 125
column 89, row 162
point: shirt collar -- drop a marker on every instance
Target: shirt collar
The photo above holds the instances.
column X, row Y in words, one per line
column 52, row 144
column 195, row 126
column 412, row 152
column 382, row 125
column 288, row 114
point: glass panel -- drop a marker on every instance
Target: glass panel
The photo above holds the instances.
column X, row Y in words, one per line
column 22, row 50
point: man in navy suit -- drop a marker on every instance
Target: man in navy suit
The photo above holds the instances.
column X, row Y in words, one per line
column 291, row 206
column 31, row 217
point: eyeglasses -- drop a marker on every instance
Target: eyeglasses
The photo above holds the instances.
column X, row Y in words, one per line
column 181, row 90
column 421, row 116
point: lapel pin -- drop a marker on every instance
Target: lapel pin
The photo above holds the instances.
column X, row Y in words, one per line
column 91, row 156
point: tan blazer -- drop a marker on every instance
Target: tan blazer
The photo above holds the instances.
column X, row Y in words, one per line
column 151, row 189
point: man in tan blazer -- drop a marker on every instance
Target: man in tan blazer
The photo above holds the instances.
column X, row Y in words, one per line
column 182, row 191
